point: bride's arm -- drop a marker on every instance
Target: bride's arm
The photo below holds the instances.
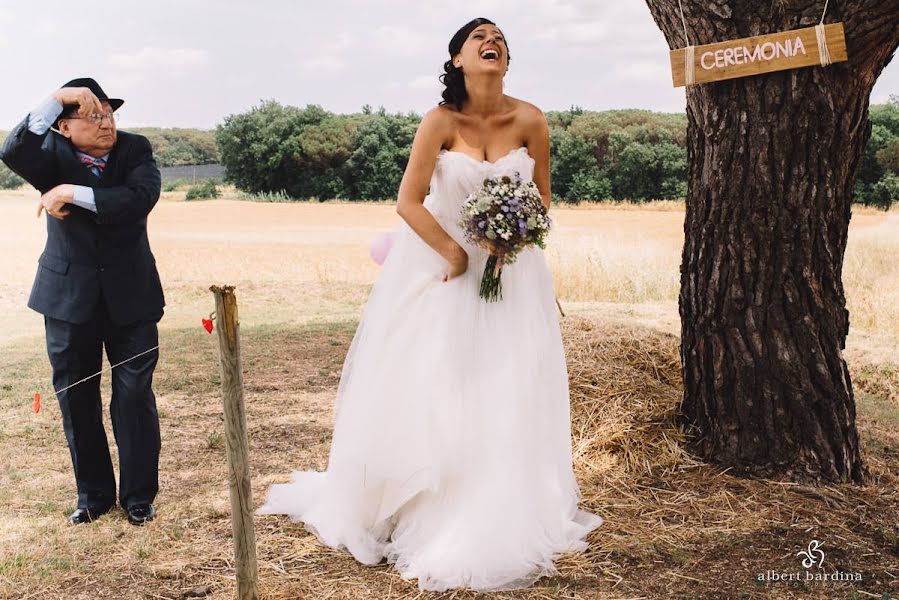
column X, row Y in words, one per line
column 433, row 130
column 538, row 148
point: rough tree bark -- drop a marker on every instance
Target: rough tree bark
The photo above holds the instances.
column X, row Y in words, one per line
column 773, row 162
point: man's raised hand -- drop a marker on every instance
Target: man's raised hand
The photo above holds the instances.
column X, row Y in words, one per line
column 86, row 100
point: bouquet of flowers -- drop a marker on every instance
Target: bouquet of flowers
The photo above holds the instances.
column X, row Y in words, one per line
column 504, row 216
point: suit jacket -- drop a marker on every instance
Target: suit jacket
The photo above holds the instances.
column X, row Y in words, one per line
column 92, row 255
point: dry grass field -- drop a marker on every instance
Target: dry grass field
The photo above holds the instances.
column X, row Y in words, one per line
column 675, row 527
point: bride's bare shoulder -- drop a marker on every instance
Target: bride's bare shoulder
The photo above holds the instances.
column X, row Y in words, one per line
column 437, row 121
column 530, row 119
column 526, row 111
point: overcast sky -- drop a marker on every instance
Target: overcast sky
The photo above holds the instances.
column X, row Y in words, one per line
column 189, row 63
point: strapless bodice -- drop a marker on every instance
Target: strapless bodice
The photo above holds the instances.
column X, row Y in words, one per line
column 457, row 174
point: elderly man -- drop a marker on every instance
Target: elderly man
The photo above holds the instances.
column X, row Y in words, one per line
column 97, row 286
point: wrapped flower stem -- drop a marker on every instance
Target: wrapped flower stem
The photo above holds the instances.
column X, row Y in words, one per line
column 491, row 280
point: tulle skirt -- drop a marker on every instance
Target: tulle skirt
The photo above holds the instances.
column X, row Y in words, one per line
column 451, row 451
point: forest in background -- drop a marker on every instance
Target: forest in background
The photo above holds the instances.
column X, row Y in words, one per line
column 288, row 152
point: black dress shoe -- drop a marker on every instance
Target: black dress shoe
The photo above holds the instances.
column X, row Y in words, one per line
column 86, row 515
column 141, row 513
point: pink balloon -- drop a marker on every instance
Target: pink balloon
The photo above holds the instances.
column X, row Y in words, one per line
column 380, row 246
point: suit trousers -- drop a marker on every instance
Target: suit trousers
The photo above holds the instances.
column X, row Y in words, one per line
column 76, row 352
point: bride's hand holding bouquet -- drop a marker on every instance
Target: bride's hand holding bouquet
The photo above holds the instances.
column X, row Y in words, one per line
column 504, row 216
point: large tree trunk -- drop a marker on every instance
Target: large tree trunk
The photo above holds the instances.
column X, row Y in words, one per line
column 773, row 162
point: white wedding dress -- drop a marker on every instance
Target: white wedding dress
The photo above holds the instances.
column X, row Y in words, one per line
column 451, row 453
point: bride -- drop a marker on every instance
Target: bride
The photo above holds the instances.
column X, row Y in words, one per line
column 451, row 452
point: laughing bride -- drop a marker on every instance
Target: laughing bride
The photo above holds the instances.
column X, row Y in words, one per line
column 451, row 454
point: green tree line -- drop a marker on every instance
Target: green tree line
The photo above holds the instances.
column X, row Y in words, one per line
column 618, row 154
column 312, row 153
column 595, row 155
column 8, row 179
column 172, row 147
column 175, row 147
column 878, row 179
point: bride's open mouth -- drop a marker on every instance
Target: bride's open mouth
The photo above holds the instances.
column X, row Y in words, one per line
column 490, row 54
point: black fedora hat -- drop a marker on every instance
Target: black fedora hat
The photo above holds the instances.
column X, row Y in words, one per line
column 93, row 86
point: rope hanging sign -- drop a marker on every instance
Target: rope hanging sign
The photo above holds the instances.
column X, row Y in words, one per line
column 820, row 45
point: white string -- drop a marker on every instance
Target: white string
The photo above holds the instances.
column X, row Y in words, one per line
column 689, row 51
column 823, row 52
column 824, row 12
column 689, row 65
column 683, row 21
column 109, row 368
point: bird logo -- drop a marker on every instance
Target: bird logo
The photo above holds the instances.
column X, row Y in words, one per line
column 813, row 555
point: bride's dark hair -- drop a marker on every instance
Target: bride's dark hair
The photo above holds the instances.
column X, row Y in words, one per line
column 452, row 77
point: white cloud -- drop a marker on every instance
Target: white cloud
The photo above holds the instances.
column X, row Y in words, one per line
column 340, row 54
column 590, row 33
column 323, row 65
column 342, row 41
column 161, row 59
column 646, row 71
column 46, row 28
column 425, row 83
column 399, row 41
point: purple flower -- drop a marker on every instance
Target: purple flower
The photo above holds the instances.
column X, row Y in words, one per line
column 482, row 224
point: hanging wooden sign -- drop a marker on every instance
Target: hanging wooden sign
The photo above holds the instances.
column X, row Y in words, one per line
column 758, row 54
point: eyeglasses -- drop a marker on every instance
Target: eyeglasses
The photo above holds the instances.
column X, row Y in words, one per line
column 97, row 118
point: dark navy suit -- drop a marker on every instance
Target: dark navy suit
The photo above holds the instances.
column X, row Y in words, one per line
column 97, row 286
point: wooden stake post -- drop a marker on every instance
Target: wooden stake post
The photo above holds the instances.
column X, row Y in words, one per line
column 236, row 445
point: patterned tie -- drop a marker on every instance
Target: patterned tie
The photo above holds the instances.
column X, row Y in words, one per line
column 96, row 165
